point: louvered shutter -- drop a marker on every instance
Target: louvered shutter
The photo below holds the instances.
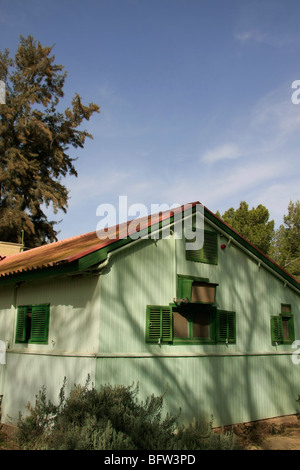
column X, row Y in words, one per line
column 21, row 324
column 226, row 326
column 276, row 329
column 158, row 324
column 39, row 324
column 208, row 253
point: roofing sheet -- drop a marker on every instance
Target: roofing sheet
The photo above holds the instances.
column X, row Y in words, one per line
column 71, row 249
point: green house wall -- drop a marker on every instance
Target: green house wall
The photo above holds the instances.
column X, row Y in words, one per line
column 97, row 328
column 248, row 380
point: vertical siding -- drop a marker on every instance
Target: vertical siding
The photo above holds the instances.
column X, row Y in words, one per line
column 70, row 352
column 229, row 389
column 6, row 328
column 239, row 382
column 97, row 327
column 74, row 312
column 139, row 276
column 28, row 373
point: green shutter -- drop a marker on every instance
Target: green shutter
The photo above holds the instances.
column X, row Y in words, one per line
column 276, row 329
column 158, row 324
column 291, row 330
column 184, row 288
column 21, row 325
column 208, row 253
column 226, row 326
column 39, row 324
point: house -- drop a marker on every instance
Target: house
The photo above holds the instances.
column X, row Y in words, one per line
column 214, row 328
column 9, row 248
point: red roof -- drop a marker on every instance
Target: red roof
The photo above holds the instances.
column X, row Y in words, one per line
column 71, row 249
column 74, row 248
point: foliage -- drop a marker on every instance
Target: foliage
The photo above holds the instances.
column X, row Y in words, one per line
column 285, row 249
column 253, row 224
column 111, row 418
column 199, row 435
column 34, row 140
column 282, row 245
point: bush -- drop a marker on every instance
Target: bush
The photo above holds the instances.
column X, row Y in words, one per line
column 111, row 418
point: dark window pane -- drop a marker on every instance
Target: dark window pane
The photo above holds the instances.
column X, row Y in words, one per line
column 285, row 328
column 180, row 325
column 201, row 325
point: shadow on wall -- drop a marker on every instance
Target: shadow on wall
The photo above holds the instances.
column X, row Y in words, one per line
column 230, row 388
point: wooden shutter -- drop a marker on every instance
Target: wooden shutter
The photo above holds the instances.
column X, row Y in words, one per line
column 158, row 324
column 226, row 326
column 39, row 324
column 276, row 329
column 184, row 289
column 291, row 330
column 208, row 253
column 21, row 324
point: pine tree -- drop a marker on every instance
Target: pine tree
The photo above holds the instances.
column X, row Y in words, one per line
column 34, row 142
column 285, row 248
column 253, row 224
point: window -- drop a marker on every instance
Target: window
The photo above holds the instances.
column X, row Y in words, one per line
column 282, row 326
column 32, row 324
column 189, row 323
column 194, row 323
column 196, row 289
column 208, row 253
column 192, row 317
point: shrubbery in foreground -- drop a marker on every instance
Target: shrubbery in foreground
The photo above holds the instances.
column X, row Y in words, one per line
column 111, row 418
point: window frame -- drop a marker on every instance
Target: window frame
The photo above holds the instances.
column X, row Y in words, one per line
column 212, row 310
column 39, row 324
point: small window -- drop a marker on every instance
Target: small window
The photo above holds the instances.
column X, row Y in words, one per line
column 282, row 326
column 189, row 323
column 32, row 324
column 194, row 323
column 208, row 253
column 196, row 289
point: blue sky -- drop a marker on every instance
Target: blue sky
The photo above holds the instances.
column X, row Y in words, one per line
column 195, row 99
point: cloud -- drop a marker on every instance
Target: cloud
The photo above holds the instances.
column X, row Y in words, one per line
column 223, row 152
column 274, row 40
column 275, row 117
column 248, row 36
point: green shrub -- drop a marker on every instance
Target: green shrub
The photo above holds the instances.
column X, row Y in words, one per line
column 110, row 418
